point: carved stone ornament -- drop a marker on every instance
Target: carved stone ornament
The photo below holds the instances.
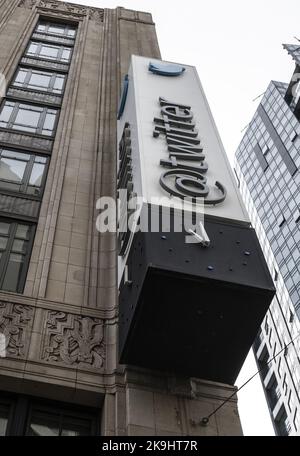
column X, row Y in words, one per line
column 74, row 340
column 95, row 14
column 15, row 323
column 28, row 3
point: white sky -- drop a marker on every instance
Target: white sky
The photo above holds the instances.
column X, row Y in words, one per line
column 236, row 47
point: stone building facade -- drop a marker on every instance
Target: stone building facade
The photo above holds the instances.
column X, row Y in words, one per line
column 64, row 65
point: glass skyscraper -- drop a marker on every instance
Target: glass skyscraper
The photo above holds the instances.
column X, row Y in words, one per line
column 267, row 168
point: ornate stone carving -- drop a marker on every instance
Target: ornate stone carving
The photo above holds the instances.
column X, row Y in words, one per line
column 15, row 320
column 45, row 64
column 74, row 340
column 34, row 96
column 24, row 140
column 96, row 14
column 73, row 9
column 27, row 3
column 69, row 7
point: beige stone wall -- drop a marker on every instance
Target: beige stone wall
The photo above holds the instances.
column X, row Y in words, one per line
column 71, row 284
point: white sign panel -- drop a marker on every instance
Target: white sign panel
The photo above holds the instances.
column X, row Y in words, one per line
column 175, row 148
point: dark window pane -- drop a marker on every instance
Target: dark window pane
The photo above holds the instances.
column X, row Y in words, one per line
column 3, row 242
column 13, row 271
column 22, row 231
column 4, row 410
column 4, row 227
column 19, row 246
column 44, row 424
column 73, row 426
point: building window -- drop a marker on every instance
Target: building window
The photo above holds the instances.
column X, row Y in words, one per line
column 273, row 392
column 263, row 363
column 281, row 221
column 51, row 422
column 22, row 172
column 279, row 368
column 27, row 117
column 24, row 415
column 52, row 28
column 297, row 216
column 4, row 414
column 44, row 81
column 265, row 150
column 49, row 52
column 282, row 423
column 266, row 326
column 293, row 136
column 15, row 247
column 295, row 420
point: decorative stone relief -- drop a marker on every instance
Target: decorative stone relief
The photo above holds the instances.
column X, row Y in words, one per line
column 68, row 7
column 96, row 14
column 24, row 140
column 74, row 340
column 27, row 3
column 15, row 322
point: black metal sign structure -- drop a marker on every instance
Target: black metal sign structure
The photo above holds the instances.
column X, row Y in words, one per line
column 185, row 179
column 125, row 182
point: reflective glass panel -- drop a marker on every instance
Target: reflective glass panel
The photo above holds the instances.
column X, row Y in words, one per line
column 66, row 54
column 12, row 170
column 6, row 112
column 45, row 424
column 49, row 124
column 49, row 52
column 40, row 80
column 73, row 426
column 28, row 116
column 3, row 242
column 57, row 29
column 4, row 227
column 21, row 75
column 59, row 83
column 37, row 174
column 13, row 271
column 4, row 410
column 22, row 231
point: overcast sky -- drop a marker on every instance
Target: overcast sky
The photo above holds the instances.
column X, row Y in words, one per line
column 237, row 49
